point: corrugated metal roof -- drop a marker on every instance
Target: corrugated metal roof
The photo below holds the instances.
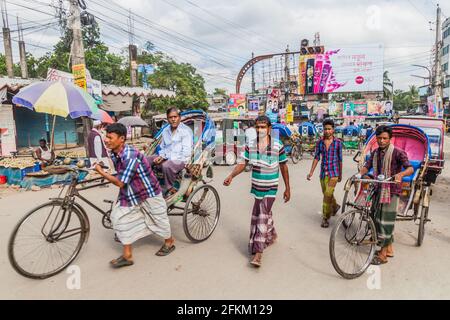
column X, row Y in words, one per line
column 138, row 91
column 14, row 84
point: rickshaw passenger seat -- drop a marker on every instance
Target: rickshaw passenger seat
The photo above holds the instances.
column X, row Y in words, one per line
column 416, row 164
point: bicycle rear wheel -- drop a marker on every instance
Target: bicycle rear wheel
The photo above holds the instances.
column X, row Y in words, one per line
column 295, row 156
column 352, row 246
column 47, row 240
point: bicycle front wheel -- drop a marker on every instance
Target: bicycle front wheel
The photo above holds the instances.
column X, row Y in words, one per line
column 352, row 243
column 47, row 240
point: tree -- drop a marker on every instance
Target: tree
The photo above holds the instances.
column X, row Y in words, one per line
column 219, row 91
column 387, row 85
column 180, row 78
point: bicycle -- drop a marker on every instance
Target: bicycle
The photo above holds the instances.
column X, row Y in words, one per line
column 355, row 230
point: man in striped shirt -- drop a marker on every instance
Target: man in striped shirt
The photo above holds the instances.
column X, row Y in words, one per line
column 329, row 149
column 268, row 157
column 141, row 209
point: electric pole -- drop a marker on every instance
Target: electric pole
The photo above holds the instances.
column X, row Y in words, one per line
column 287, row 78
column 437, row 79
column 132, row 50
column 77, row 55
column 253, row 76
column 22, row 52
column 7, row 41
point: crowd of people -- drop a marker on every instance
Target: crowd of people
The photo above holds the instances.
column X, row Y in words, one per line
column 141, row 208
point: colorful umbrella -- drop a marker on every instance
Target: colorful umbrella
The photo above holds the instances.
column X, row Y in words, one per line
column 56, row 98
column 102, row 115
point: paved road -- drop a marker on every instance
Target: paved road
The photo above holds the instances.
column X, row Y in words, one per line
column 297, row 267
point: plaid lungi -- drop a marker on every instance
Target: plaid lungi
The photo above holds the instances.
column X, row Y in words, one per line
column 262, row 231
column 385, row 216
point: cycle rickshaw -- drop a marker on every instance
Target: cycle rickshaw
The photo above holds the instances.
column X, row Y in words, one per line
column 353, row 239
column 291, row 141
column 49, row 237
column 309, row 136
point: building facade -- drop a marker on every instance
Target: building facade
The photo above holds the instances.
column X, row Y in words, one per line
column 445, row 60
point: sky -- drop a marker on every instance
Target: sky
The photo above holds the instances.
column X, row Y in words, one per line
column 218, row 37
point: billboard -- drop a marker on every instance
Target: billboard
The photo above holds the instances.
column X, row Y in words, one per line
column 342, row 70
column 236, row 104
column 379, row 108
column 354, row 109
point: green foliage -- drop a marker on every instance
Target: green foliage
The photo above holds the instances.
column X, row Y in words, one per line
column 406, row 100
column 112, row 68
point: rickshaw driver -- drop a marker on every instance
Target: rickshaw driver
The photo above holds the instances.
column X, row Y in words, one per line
column 388, row 161
column 176, row 149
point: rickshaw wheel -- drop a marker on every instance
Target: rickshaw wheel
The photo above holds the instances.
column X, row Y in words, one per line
column 295, row 155
column 423, row 219
column 201, row 213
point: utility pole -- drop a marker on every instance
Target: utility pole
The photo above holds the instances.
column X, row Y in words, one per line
column 132, row 50
column 7, row 41
column 437, row 79
column 77, row 55
column 23, row 56
column 253, row 76
column 287, row 78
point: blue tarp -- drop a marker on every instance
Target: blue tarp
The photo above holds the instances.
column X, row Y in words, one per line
column 14, row 177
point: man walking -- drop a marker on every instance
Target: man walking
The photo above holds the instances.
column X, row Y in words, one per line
column 141, row 209
column 268, row 157
column 329, row 149
column 388, row 161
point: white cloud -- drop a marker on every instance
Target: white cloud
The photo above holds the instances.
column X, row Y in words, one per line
column 267, row 26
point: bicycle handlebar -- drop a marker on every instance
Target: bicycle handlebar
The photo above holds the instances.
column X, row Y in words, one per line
column 388, row 180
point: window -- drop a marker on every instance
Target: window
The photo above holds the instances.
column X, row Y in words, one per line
column 446, row 33
column 445, row 50
column 447, row 84
column 445, row 67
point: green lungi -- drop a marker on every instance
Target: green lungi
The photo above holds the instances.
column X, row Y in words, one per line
column 329, row 205
column 385, row 217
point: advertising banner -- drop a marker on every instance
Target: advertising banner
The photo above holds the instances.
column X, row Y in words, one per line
column 342, row 70
column 236, row 104
column 79, row 75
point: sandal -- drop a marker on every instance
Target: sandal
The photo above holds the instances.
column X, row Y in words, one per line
column 165, row 250
column 256, row 263
column 377, row 261
column 324, row 223
column 121, row 262
column 387, row 255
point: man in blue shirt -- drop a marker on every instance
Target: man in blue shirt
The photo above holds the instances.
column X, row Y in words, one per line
column 176, row 149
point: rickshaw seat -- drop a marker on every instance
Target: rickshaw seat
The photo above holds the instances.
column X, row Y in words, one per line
column 415, row 164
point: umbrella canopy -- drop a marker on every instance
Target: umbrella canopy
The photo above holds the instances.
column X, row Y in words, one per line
column 133, row 121
column 101, row 115
column 56, row 98
column 283, row 130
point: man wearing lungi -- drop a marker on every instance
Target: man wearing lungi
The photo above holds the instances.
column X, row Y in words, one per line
column 175, row 149
column 268, row 157
column 330, row 149
column 141, row 210
column 388, row 161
